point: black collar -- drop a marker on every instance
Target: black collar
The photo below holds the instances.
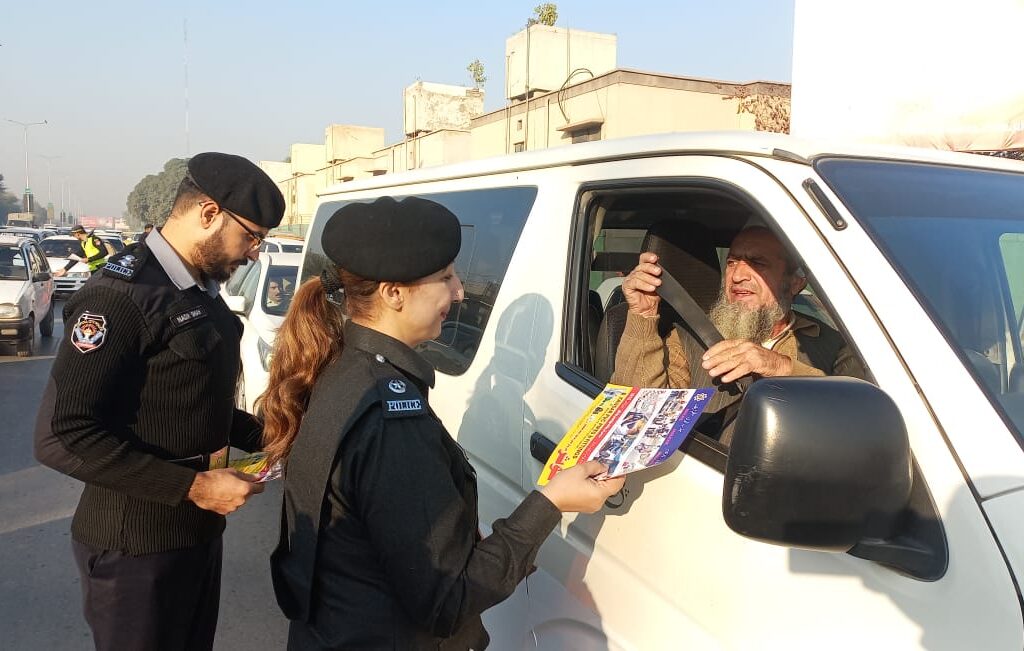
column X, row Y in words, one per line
column 394, row 352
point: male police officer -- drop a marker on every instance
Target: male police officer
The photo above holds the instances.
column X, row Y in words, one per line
column 139, row 406
column 94, row 251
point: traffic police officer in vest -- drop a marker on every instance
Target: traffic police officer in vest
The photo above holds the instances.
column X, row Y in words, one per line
column 94, row 251
column 140, row 407
column 380, row 546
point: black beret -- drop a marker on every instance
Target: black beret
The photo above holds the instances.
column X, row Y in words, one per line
column 388, row 240
column 239, row 186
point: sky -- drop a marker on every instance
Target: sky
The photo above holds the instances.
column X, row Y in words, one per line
column 109, row 76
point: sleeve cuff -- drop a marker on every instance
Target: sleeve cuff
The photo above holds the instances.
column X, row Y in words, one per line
column 641, row 327
column 536, row 514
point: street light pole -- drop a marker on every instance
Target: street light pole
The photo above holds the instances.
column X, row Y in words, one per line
column 49, row 175
column 25, row 126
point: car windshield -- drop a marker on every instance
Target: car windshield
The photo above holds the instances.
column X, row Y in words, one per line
column 61, row 248
column 12, row 264
column 956, row 236
column 279, row 289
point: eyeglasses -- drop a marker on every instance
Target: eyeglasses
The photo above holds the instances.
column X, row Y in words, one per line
column 257, row 238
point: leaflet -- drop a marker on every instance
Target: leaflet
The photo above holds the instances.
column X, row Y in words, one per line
column 629, row 429
column 256, row 464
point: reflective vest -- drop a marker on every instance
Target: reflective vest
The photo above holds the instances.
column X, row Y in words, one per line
column 90, row 250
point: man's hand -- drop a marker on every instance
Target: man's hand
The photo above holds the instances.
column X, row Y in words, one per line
column 735, row 358
column 60, row 273
column 223, row 490
column 640, row 286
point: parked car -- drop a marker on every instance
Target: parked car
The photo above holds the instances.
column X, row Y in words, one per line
column 260, row 293
column 282, row 244
column 36, row 234
column 58, row 249
column 896, row 500
column 26, row 293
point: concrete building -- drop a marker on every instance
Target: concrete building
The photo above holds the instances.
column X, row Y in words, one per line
column 562, row 87
column 618, row 104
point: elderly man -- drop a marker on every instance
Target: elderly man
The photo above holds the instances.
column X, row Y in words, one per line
column 763, row 336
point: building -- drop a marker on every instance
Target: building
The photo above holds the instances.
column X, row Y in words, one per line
column 562, row 86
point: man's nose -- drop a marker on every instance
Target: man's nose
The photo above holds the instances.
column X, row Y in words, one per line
column 460, row 291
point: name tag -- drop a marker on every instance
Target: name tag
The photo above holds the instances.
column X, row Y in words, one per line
column 188, row 316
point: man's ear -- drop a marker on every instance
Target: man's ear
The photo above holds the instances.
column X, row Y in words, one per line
column 208, row 212
column 797, row 284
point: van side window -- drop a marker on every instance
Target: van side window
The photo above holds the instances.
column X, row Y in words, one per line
column 691, row 229
column 492, row 221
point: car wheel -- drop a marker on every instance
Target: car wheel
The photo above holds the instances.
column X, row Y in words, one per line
column 46, row 325
column 28, row 347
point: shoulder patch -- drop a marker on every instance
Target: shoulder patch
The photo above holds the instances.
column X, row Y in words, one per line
column 399, row 397
column 89, row 333
column 123, row 265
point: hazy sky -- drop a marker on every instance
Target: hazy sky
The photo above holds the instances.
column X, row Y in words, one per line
column 109, row 75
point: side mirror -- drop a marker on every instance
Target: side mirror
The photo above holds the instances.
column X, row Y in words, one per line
column 235, row 303
column 41, row 277
column 817, row 463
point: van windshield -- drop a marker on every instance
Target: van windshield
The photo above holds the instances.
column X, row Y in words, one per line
column 956, row 236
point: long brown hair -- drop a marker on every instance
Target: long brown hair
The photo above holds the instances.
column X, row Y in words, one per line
column 310, row 338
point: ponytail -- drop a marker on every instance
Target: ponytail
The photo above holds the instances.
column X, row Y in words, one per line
column 310, row 338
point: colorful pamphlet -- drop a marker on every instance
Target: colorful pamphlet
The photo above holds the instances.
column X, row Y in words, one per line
column 256, row 464
column 629, row 429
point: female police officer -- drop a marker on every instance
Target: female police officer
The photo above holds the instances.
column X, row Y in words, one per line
column 380, row 546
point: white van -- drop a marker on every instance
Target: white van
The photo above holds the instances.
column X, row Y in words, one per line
column 844, row 514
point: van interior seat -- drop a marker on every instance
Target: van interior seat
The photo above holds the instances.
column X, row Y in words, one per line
column 687, row 251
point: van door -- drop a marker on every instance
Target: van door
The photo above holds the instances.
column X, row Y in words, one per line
column 658, row 568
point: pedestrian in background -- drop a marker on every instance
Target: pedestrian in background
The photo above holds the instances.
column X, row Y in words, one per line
column 140, row 407
column 380, row 545
column 94, row 251
column 146, row 230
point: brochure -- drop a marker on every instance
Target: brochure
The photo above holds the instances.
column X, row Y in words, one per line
column 256, row 464
column 629, row 429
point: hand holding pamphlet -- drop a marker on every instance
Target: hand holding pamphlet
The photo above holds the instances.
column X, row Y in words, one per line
column 256, row 464
column 629, row 429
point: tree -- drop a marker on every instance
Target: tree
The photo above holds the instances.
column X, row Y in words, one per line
column 151, row 199
column 8, row 202
column 770, row 108
column 545, row 14
column 476, row 71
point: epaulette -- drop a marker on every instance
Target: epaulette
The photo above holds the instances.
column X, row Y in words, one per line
column 399, row 397
column 125, row 264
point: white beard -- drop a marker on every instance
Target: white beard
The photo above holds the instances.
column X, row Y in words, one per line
column 735, row 321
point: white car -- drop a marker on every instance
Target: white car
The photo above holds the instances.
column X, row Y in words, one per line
column 282, row 244
column 260, row 293
column 58, row 250
column 26, row 293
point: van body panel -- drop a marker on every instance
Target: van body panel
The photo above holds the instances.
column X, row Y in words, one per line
column 658, row 567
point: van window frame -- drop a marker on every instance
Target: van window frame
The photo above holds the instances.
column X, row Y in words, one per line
column 703, row 448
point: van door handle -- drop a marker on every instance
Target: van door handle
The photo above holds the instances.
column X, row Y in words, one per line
column 541, row 447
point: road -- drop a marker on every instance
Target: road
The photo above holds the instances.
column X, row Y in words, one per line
column 40, row 598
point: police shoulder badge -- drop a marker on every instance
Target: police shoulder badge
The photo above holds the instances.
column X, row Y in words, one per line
column 89, row 333
column 123, row 265
column 400, row 398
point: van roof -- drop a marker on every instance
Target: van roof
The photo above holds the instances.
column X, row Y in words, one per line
column 721, row 143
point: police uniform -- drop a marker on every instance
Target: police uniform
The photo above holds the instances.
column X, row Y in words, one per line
column 380, row 546
column 140, row 399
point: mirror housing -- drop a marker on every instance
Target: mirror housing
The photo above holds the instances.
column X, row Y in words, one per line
column 817, row 463
column 236, row 304
column 41, row 277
